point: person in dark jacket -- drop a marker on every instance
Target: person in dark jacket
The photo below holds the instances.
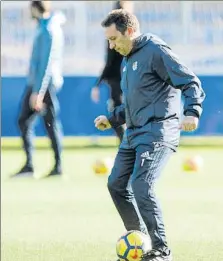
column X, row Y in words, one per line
column 153, row 79
column 112, row 74
column 44, row 80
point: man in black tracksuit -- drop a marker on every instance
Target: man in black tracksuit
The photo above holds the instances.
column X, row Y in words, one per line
column 153, row 79
column 112, row 74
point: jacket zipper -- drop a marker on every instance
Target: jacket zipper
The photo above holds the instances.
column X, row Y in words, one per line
column 127, row 93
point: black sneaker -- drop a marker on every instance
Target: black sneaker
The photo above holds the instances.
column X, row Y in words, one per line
column 25, row 171
column 155, row 255
column 56, row 171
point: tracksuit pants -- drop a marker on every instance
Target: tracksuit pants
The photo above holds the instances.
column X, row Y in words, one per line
column 52, row 124
column 131, row 185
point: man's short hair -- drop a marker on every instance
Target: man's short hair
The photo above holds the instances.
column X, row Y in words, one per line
column 122, row 20
column 42, row 6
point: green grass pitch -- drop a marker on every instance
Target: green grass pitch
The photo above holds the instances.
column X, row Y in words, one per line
column 73, row 218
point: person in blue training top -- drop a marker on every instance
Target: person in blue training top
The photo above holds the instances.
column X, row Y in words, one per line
column 43, row 82
column 153, row 79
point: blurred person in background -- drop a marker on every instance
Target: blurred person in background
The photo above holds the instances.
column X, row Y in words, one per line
column 43, row 82
column 153, row 80
column 112, row 74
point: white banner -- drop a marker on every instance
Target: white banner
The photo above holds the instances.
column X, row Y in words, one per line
column 194, row 30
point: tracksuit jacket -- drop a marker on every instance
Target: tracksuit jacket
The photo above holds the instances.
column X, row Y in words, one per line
column 153, row 79
column 45, row 70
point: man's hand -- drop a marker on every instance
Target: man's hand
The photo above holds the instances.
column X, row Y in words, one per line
column 32, row 100
column 95, row 94
column 36, row 102
column 189, row 123
column 102, row 123
column 39, row 103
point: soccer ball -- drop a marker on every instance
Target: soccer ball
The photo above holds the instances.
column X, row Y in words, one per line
column 132, row 245
column 103, row 166
column 194, row 163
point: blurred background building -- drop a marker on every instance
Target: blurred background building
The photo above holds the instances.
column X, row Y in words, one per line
column 194, row 29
